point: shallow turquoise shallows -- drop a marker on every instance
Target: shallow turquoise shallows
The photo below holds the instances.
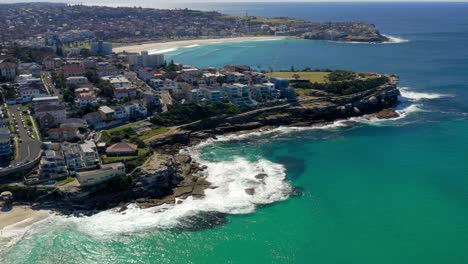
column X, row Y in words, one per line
column 358, row 191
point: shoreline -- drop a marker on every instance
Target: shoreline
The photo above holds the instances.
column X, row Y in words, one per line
column 20, row 217
column 161, row 45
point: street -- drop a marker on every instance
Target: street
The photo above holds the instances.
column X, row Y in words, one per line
column 29, row 148
column 49, row 85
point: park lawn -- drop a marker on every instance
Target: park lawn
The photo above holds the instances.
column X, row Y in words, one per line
column 66, row 180
column 153, row 132
column 141, row 153
column 125, row 131
column 79, row 45
column 302, row 91
column 314, row 77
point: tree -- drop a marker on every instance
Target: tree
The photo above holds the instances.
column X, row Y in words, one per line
column 296, row 76
column 85, row 52
column 69, row 93
column 171, row 67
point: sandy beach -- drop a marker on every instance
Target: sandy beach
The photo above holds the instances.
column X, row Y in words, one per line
column 188, row 43
column 20, row 217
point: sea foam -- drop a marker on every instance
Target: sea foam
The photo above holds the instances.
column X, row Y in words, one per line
column 230, row 180
column 394, row 39
column 162, row 51
column 418, row 96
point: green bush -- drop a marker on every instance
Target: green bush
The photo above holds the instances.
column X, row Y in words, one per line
column 182, row 114
column 346, row 87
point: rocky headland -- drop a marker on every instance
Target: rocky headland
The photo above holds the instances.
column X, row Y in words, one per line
column 168, row 176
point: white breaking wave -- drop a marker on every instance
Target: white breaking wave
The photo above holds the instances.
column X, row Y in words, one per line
column 231, row 179
column 192, row 46
column 162, row 51
column 394, row 39
column 11, row 235
column 279, row 130
column 417, row 96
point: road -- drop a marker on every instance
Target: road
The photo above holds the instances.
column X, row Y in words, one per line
column 49, row 85
column 29, row 148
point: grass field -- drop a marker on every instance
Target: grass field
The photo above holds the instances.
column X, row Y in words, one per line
column 318, row 77
column 127, row 132
column 153, row 132
column 84, row 45
column 141, row 153
column 66, row 180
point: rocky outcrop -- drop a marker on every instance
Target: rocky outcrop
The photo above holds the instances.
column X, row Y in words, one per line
column 168, row 179
column 346, row 32
column 308, row 110
column 155, row 176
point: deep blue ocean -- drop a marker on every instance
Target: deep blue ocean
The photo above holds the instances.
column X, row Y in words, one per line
column 356, row 191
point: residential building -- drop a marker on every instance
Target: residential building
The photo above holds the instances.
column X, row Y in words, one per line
column 89, row 154
column 107, row 113
column 72, row 155
column 120, row 113
column 239, row 94
column 118, row 81
column 50, row 115
column 77, row 80
column 122, row 149
column 52, row 63
column 28, row 94
column 8, row 70
column 62, row 133
column 52, row 165
column 237, row 68
column 145, row 60
column 136, row 109
column 280, row 83
column 101, row 47
column 213, row 95
column 86, row 98
column 264, row 91
column 45, row 100
column 30, row 68
column 106, row 69
column 193, row 95
column 157, row 84
column 105, row 173
column 146, row 73
column 122, row 87
column 73, row 68
column 150, row 99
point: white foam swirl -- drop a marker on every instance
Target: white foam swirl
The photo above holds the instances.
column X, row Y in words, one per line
column 394, row 39
column 231, row 179
column 418, row 96
column 162, row 51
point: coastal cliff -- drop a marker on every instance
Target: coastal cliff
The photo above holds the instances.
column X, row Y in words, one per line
column 346, row 32
column 306, row 111
column 168, row 176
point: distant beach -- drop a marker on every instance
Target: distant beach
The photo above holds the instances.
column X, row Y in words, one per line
column 189, row 43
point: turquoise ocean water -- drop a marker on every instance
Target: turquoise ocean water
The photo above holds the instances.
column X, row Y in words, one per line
column 358, row 191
